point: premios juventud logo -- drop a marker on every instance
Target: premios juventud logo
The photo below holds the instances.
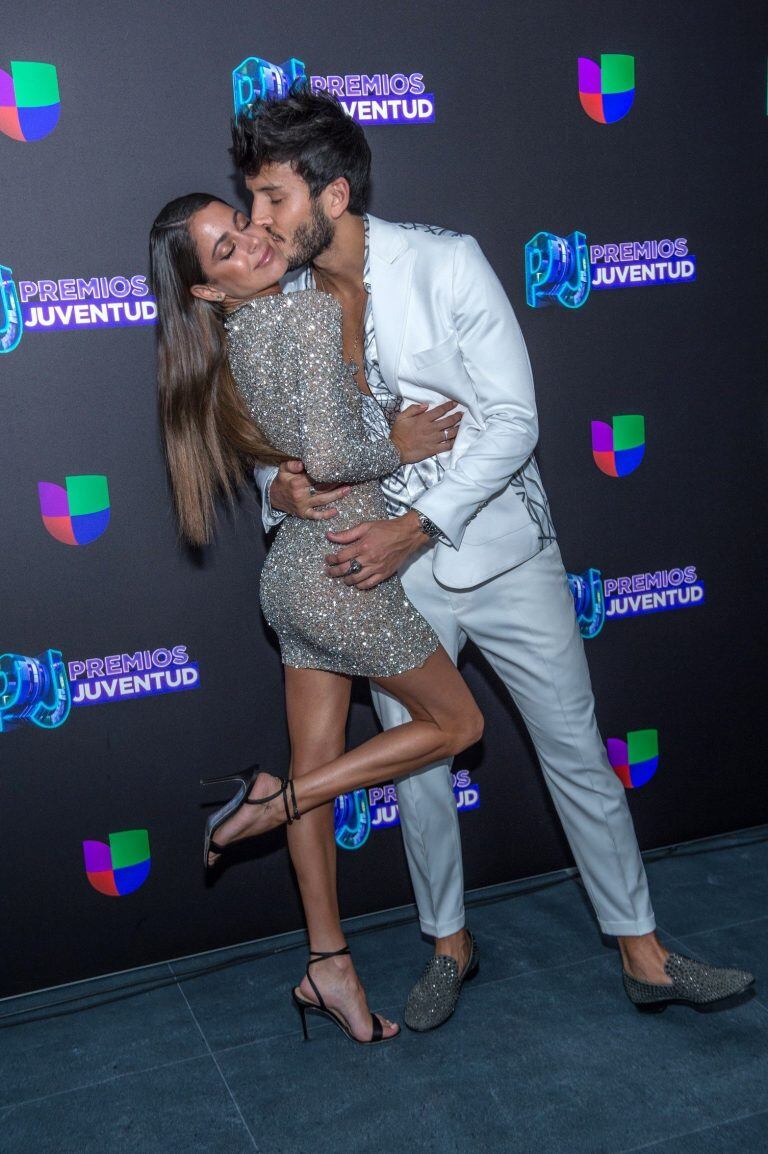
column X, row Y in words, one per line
column 357, row 814
column 369, row 98
column 564, row 270
column 42, row 690
column 97, row 302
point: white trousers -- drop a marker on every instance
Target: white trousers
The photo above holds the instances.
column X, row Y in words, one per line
column 524, row 623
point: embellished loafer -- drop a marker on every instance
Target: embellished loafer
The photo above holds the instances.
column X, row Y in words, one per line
column 434, row 997
column 694, row 984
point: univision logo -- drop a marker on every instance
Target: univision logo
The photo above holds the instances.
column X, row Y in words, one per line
column 607, row 90
column 120, row 867
column 78, row 513
column 619, row 448
column 29, row 100
column 635, row 760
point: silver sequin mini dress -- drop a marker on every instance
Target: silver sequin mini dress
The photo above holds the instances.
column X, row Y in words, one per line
column 287, row 360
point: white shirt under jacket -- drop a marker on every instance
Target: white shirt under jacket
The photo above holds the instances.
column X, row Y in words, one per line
column 446, row 330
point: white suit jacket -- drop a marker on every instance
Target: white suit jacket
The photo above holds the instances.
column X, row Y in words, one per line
column 446, row 330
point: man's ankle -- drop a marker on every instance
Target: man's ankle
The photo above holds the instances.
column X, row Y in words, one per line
column 455, row 945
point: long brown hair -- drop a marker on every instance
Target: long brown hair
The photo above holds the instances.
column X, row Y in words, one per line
column 210, row 439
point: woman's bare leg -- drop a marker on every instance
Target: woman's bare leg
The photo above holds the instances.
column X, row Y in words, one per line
column 445, row 721
column 317, row 705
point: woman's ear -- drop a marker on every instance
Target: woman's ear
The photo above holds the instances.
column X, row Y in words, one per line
column 206, row 293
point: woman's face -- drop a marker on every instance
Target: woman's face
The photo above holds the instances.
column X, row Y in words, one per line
column 239, row 258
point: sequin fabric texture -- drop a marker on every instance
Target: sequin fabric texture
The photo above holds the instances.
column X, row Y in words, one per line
column 287, row 360
column 692, row 981
column 435, row 996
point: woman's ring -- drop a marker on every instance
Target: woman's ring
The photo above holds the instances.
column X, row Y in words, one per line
column 354, row 566
column 312, row 490
column 445, row 434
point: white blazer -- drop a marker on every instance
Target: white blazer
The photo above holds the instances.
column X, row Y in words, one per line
column 446, row 330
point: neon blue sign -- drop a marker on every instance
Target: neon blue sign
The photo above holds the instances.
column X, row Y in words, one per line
column 352, row 819
column 11, row 324
column 33, row 689
column 589, row 601
column 257, row 79
column 557, row 270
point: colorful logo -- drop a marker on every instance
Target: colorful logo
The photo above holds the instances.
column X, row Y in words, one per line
column 589, row 602
column 597, row 600
column 618, row 448
column 77, row 514
column 557, row 270
column 256, row 79
column 376, row 98
column 33, row 689
column 121, row 676
column 357, row 814
column 635, row 760
column 352, row 819
column 11, row 323
column 97, row 302
column 564, row 270
column 607, row 90
column 122, row 866
column 29, row 100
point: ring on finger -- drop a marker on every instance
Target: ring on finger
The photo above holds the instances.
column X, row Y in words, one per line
column 312, row 490
column 354, row 567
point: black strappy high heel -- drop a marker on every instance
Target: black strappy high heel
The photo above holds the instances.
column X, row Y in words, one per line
column 241, row 798
column 303, row 1006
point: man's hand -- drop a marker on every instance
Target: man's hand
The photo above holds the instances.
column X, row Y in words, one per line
column 380, row 547
column 293, row 492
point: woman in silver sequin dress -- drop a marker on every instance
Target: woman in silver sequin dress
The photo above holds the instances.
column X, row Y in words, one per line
column 247, row 374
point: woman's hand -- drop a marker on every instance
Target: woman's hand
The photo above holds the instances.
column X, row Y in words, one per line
column 420, row 432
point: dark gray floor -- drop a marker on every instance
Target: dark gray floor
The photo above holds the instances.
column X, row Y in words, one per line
column 545, row 1054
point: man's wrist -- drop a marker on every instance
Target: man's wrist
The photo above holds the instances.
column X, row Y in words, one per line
column 422, row 528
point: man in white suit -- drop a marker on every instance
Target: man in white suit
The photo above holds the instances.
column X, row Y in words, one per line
column 470, row 531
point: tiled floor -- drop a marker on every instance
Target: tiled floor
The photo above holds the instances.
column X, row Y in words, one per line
column 545, row 1054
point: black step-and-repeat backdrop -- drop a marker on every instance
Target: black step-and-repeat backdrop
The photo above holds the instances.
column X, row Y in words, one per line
column 606, row 158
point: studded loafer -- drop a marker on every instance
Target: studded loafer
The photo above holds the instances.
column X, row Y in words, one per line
column 693, row 984
column 434, row 997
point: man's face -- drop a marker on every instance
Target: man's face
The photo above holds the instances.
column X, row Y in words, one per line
column 299, row 225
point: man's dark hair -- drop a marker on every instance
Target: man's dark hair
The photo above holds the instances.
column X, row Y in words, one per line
column 311, row 132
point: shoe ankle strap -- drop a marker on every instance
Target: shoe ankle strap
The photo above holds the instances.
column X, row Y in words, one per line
column 319, row 955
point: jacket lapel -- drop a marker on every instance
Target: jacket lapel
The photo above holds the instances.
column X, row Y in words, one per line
column 391, row 261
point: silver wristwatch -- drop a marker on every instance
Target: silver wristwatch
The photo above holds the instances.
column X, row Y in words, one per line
column 429, row 527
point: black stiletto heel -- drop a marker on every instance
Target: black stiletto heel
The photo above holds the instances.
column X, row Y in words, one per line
column 303, row 1013
column 218, row 818
column 303, row 1006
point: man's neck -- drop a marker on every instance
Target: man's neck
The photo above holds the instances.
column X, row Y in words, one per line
column 341, row 265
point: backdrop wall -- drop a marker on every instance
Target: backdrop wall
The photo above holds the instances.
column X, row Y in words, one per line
column 92, row 743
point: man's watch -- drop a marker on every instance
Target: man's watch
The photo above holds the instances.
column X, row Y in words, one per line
column 429, row 527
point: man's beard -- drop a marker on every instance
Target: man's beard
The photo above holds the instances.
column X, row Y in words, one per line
column 310, row 239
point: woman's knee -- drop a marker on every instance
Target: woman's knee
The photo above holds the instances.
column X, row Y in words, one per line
column 466, row 730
